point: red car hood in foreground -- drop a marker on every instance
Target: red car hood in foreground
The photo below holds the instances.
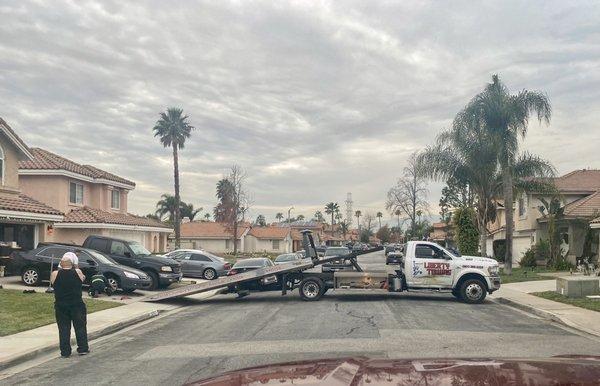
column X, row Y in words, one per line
column 571, row 370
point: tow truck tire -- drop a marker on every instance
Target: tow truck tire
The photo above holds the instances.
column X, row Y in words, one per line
column 311, row 289
column 473, row 291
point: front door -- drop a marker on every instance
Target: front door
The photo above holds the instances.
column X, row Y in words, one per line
column 431, row 267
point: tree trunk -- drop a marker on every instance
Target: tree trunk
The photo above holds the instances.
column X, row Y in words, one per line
column 177, row 199
column 235, row 226
column 508, row 216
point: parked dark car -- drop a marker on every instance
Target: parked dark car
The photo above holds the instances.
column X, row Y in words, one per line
column 265, row 284
column 161, row 270
column 34, row 266
column 199, row 263
column 338, row 265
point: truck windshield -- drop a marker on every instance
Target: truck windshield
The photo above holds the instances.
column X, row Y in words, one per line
column 139, row 249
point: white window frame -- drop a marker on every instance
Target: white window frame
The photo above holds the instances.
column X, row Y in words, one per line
column 112, row 192
column 82, row 191
column 273, row 244
column 523, row 207
column 2, row 166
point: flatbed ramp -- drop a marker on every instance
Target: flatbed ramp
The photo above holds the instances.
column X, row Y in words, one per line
column 230, row 280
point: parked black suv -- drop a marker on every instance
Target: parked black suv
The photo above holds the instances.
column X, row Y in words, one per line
column 34, row 266
column 162, row 270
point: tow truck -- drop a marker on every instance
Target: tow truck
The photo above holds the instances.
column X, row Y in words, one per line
column 424, row 266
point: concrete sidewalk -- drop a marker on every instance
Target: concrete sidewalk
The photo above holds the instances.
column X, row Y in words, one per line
column 27, row 345
column 519, row 295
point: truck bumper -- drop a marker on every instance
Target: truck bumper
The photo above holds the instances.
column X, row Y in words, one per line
column 169, row 278
column 493, row 283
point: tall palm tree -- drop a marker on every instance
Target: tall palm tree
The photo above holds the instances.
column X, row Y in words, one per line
column 300, row 217
column 187, row 210
column 172, row 129
column 166, row 207
column 357, row 214
column 379, row 216
column 506, row 117
column 279, row 216
column 330, row 209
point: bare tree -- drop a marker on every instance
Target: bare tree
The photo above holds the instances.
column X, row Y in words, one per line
column 368, row 219
column 240, row 201
column 409, row 195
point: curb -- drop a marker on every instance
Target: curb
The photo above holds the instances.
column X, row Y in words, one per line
column 91, row 336
column 546, row 315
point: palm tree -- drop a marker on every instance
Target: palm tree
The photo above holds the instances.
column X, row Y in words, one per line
column 207, row 216
column 172, row 129
column 379, row 216
column 166, row 207
column 398, row 212
column 319, row 216
column 300, row 217
column 330, row 209
column 506, row 118
column 357, row 214
column 279, row 216
column 187, row 210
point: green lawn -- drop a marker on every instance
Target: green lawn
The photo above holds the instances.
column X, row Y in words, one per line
column 20, row 312
column 524, row 274
column 589, row 304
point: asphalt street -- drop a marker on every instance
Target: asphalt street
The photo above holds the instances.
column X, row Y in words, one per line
column 224, row 333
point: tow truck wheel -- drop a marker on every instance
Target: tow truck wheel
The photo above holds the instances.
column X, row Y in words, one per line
column 311, row 289
column 473, row 291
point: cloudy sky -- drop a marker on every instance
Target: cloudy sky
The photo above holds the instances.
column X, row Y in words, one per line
column 313, row 98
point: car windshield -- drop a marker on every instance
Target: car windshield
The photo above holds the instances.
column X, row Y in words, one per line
column 250, row 263
column 138, row 249
column 337, row 251
column 101, row 258
column 286, row 257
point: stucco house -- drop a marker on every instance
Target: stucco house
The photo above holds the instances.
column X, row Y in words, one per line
column 212, row 236
column 272, row 239
column 24, row 221
column 94, row 201
column 579, row 191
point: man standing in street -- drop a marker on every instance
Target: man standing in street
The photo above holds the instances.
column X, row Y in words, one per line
column 69, row 307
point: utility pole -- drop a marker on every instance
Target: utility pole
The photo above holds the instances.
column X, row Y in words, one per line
column 349, row 212
column 289, row 211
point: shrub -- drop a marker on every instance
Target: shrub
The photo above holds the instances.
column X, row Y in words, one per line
column 542, row 250
column 528, row 259
column 467, row 235
column 561, row 264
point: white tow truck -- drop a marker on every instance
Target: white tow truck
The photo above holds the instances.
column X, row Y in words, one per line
column 423, row 266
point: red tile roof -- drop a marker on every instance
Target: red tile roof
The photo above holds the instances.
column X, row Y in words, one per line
column 9, row 132
column 209, row 230
column 23, row 203
column 269, row 232
column 579, row 180
column 87, row 215
column 45, row 160
column 585, row 207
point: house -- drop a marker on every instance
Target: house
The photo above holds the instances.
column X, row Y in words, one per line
column 441, row 234
column 579, row 191
column 24, row 221
column 296, row 228
column 211, row 236
column 94, row 201
column 272, row 239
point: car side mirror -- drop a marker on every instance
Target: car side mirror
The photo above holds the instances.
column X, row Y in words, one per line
column 127, row 254
column 91, row 262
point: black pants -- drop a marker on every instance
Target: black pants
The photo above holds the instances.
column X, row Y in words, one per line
column 65, row 315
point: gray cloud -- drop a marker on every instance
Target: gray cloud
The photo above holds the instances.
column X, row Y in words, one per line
column 314, row 99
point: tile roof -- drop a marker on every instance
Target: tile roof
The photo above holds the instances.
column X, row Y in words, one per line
column 584, row 207
column 23, row 203
column 45, row 160
column 595, row 221
column 208, row 230
column 579, row 180
column 10, row 134
column 269, row 232
column 87, row 215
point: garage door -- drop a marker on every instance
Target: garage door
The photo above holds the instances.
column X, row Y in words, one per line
column 128, row 235
column 520, row 246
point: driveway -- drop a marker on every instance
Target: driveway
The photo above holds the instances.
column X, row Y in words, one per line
column 224, row 333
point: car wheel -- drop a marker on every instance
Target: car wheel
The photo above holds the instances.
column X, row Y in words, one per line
column 473, row 291
column 209, row 274
column 311, row 289
column 112, row 283
column 154, row 281
column 31, row 276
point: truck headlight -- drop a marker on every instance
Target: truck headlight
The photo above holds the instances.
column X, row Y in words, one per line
column 166, row 268
column 131, row 275
column 493, row 270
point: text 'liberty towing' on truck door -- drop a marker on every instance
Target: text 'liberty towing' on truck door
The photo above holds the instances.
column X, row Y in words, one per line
column 430, row 266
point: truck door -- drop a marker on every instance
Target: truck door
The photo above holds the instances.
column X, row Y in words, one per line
column 430, row 267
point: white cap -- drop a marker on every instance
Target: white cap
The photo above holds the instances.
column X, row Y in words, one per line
column 73, row 257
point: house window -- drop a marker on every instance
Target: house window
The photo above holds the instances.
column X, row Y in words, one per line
column 522, row 206
column 115, row 199
column 275, row 244
column 227, row 242
column 1, row 166
column 75, row 193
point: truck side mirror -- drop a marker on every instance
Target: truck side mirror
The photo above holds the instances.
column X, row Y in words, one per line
column 127, row 254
